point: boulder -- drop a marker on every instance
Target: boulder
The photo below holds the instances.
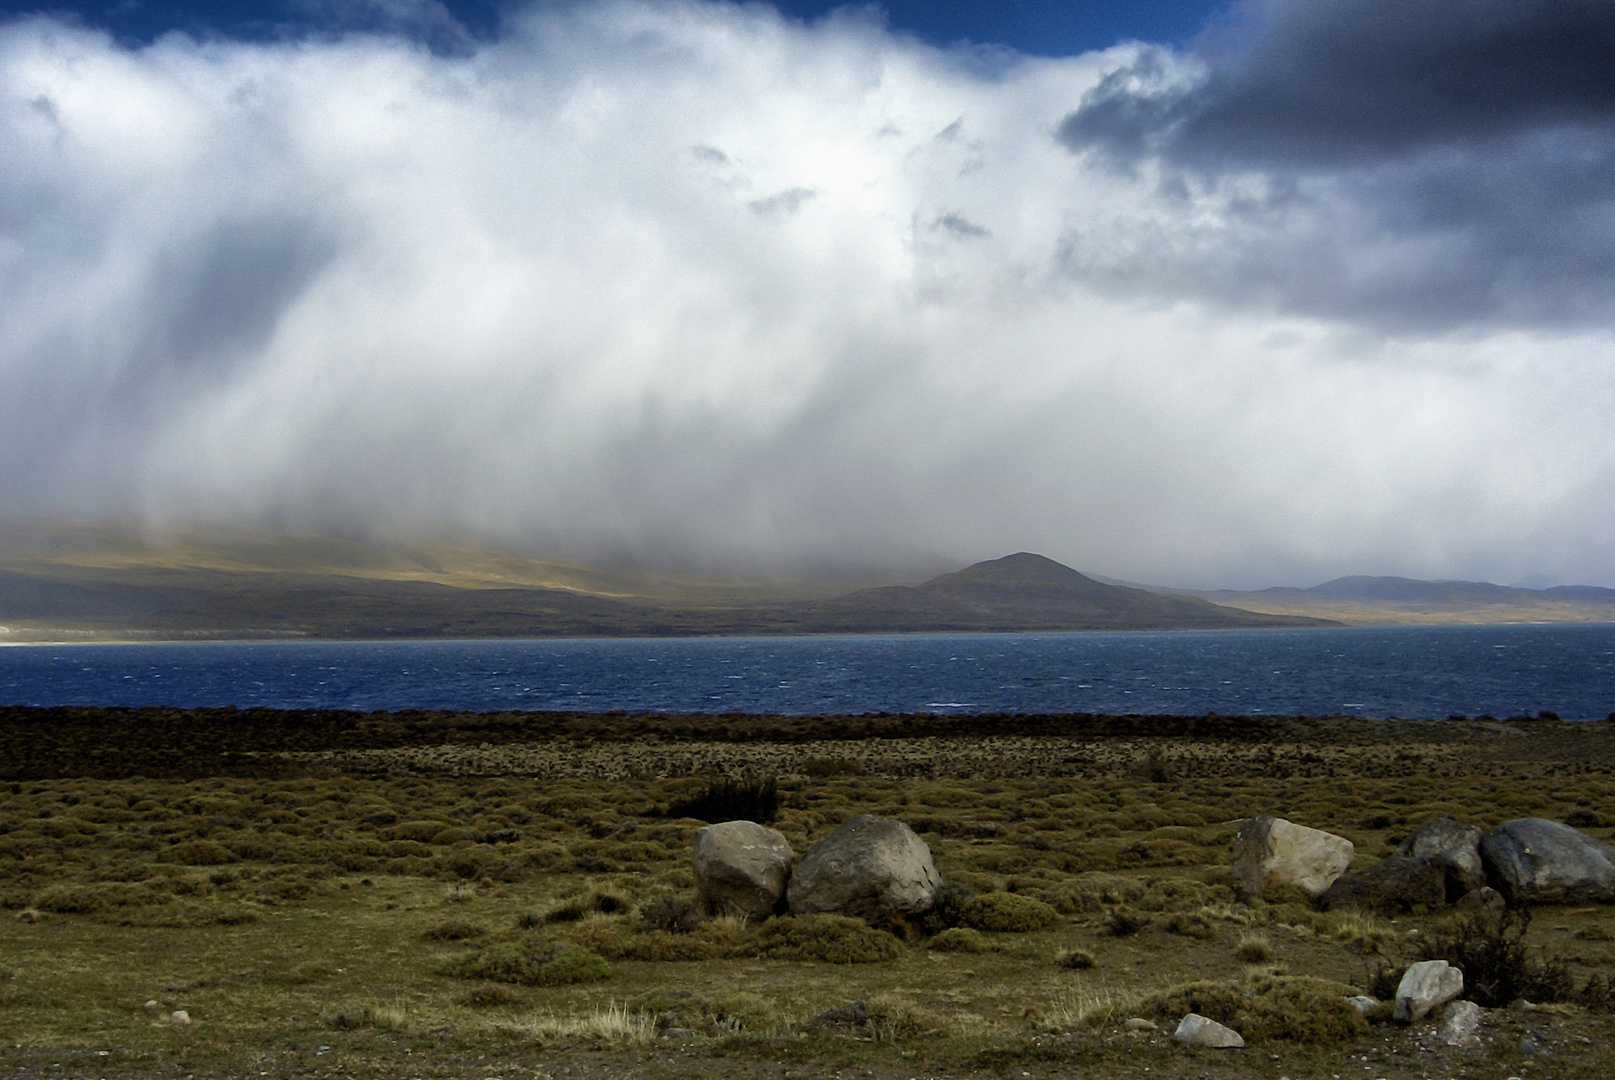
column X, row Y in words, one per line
column 741, row 868
column 1197, row 1030
column 1455, row 846
column 1460, row 1024
column 870, row 867
column 1363, row 1004
column 1426, row 986
column 1533, row 861
column 1271, row 851
column 1396, row 885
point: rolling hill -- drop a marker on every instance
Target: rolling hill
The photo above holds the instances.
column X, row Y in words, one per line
column 109, row 586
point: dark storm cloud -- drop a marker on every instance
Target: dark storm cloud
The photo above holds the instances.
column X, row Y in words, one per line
column 1428, row 163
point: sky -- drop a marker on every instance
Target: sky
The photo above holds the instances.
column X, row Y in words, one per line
column 1201, row 294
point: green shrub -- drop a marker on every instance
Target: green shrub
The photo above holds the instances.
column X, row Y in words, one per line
column 1008, row 913
column 835, row 939
column 197, row 853
column 672, row 913
column 723, row 799
column 1489, row 948
column 1124, row 923
column 530, row 964
column 959, row 939
column 576, row 907
column 1190, row 924
column 1301, row 1009
column 713, row 940
column 1222, row 1002
column 947, row 908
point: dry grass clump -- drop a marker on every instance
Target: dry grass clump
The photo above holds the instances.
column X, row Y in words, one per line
column 529, row 963
column 1122, row 922
column 611, row 1023
column 1075, row 959
column 488, row 996
column 1254, row 948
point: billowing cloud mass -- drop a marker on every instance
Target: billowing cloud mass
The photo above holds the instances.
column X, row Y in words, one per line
column 694, row 284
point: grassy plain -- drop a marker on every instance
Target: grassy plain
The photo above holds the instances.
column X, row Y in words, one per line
column 413, row 895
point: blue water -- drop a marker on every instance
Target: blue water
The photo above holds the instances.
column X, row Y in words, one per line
column 1405, row 672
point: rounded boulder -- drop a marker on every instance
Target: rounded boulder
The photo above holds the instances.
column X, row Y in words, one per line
column 741, row 868
column 870, row 867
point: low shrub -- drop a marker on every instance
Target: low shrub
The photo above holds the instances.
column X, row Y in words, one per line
column 673, row 913
column 576, row 907
column 835, row 939
column 713, row 940
column 529, row 964
column 1075, row 959
column 454, row 930
column 488, row 996
column 959, row 939
column 197, row 853
column 724, row 799
column 947, row 909
column 1222, row 1002
column 1301, row 1009
column 353, row 1017
column 1190, row 924
column 1124, row 923
column 1490, row 949
column 1008, row 913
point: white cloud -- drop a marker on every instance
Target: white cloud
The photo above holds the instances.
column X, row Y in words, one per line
column 689, row 281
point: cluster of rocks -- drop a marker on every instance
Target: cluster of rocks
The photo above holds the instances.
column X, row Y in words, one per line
column 1425, row 987
column 871, row 867
column 1522, row 862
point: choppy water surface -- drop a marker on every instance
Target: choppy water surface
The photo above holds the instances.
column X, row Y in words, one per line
column 1406, row 672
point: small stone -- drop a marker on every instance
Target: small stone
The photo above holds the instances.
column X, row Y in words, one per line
column 152, row 1004
column 1531, row 1048
column 1362, row 1003
column 677, row 1033
column 1138, row 1023
column 180, row 1016
column 1521, row 1005
column 1197, row 1030
column 1460, row 1023
column 1427, row 986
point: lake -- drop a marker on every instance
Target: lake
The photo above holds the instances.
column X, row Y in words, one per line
column 1406, row 672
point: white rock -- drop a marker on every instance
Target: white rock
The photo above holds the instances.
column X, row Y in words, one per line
column 1272, row 851
column 180, row 1016
column 1139, row 1023
column 1427, row 986
column 1460, row 1024
column 741, row 868
column 1362, row 1003
column 1197, row 1030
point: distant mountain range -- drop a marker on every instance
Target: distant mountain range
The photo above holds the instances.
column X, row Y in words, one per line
column 102, row 583
column 118, row 587
column 1398, row 600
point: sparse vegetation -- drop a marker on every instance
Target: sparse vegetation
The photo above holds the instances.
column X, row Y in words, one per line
column 489, row 888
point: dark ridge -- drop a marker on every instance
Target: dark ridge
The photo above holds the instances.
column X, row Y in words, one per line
column 173, row 743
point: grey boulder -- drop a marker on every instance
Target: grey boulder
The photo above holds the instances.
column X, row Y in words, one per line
column 1453, row 845
column 1270, row 851
column 1197, row 1030
column 1395, row 885
column 870, row 867
column 1425, row 987
column 1534, row 861
column 741, row 868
